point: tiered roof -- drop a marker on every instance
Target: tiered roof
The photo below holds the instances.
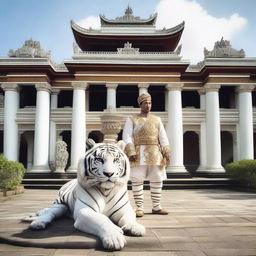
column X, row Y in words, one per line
column 128, row 28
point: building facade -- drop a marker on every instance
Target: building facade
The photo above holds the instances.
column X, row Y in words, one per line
column 207, row 109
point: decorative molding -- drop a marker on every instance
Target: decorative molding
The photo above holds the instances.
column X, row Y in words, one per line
column 30, row 49
column 229, row 76
column 143, row 85
column 201, row 91
column 223, row 49
column 10, row 87
column 112, row 85
column 79, row 85
column 55, row 91
column 174, row 86
column 124, row 75
column 212, row 87
column 43, row 87
column 245, row 88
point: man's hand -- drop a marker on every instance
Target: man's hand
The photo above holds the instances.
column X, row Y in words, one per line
column 166, row 160
column 133, row 158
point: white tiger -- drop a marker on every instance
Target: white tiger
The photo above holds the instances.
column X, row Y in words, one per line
column 98, row 198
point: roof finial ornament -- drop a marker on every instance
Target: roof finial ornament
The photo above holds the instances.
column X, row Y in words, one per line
column 128, row 11
column 223, row 49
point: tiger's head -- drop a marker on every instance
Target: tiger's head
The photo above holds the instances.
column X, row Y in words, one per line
column 104, row 165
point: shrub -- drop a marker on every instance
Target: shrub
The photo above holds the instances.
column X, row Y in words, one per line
column 243, row 172
column 11, row 173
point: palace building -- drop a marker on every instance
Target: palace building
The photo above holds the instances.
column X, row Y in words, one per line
column 208, row 109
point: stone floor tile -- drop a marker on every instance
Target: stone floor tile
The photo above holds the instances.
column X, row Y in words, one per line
column 146, row 253
column 244, row 230
column 210, row 219
column 234, row 220
column 73, row 252
column 230, row 252
column 170, row 232
column 198, row 231
column 174, row 246
column 211, row 238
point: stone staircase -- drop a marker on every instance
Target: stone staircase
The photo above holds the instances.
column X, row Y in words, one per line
column 55, row 181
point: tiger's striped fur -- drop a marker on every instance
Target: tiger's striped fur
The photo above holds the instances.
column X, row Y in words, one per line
column 98, row 198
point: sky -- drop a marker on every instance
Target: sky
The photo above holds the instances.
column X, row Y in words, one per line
column 206, row 21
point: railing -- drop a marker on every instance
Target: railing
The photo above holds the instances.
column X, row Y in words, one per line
column 64, row 115
column 191, row 116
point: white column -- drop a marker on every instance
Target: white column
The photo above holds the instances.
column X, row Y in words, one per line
column 11, row 137
column 213, row 142
column 111, row 95
column 54, row 105
column 175, row 128
column 245, row 122
column 143, row 88
column 202, row 136
column 78, row 133
column 42, row 127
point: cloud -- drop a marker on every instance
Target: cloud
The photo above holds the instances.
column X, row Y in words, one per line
column 201, row 28
column 91, row 21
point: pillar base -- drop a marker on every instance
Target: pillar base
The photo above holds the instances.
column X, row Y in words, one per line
column 214, row 169
column 211, row 172
column 176, row 169
column 59, row 171
column 201, row 169
column 72, row 169
column 40, row 169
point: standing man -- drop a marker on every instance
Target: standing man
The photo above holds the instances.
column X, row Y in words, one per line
column 148, row 151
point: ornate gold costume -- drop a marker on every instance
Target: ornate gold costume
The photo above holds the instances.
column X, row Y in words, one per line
column 146, row 141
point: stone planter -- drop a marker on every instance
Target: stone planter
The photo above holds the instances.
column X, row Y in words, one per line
column 111, row 125
column 11, row 192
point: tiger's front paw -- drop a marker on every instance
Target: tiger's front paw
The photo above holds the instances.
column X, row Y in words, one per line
column 113, row 240
column 134, row 229
column 36, row 225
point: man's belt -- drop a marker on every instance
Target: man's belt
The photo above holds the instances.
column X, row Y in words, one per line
column 146, row 142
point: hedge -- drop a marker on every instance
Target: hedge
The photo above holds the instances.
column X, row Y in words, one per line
column 243, row 172
column 11, row 173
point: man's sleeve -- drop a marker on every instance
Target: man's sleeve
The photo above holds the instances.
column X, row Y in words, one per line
column 128, row 138
column 163, row 139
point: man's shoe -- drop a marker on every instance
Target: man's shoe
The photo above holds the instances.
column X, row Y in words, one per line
column 139, row 213
column 160, row 212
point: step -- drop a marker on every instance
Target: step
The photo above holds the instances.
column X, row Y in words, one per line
column 168, row 184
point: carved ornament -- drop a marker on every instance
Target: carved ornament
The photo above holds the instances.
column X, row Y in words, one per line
column 30, row 49
column 128, row 49
column 223, row 49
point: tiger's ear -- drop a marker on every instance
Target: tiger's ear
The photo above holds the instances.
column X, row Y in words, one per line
column 90, row 144
column 121, row 144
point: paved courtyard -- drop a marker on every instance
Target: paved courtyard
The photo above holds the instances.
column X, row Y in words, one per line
column 201, row 222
